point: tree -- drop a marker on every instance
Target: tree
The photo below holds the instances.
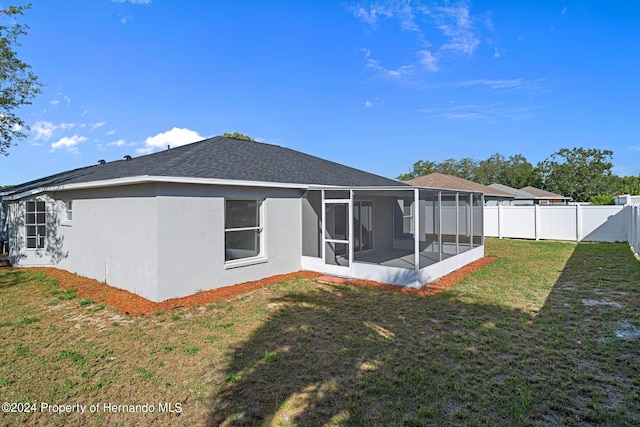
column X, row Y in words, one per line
column 491, row 170
column 519, row 173
column 238, row 135
column 419, row 168
column 515, row 172
column 626, row 185
column 18, row 84
column 601, row 199
column 579, row 173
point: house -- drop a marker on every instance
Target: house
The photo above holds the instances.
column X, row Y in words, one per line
column 224, row 211
column 492, row 196
column 528, row 196
column 626, row 199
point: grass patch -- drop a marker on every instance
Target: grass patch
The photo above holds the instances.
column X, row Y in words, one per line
column 98, row 307
column 547, row 335
column 191, row 351
column 86, row 302
column 64, row 294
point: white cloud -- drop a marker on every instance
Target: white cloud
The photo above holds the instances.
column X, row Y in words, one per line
column 499, row 85
column 119, row 143
column 401, row 71
column 43, row 130
column 491, row 114
column 66, row 98
column 175, row 137
column 564, row 10
column 70, row 143
column 111, row 132
column 371, row 15
column 455, row 22
column 368, row 104
column 55, row 102
column 429, row 61
column 493, row 84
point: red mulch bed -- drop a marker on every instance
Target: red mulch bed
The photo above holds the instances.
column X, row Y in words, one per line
column 129, row 303
column 442, row 284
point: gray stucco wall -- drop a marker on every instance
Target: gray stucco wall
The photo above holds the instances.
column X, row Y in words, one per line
column 312, row 224
column 382, row 221
column 159, row 241
column 191, row 237
column 111, row 238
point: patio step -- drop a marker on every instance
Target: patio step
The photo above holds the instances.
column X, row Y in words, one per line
column 331, row 280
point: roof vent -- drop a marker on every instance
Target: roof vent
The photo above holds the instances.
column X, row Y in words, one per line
column 101, row 162
column 127, row 157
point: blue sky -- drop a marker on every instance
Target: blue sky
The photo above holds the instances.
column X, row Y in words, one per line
column 373, row 85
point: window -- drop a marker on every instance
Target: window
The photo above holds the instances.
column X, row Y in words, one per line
column 404, row 219
column 243, row 229
column 68, row 210
column 35, row 224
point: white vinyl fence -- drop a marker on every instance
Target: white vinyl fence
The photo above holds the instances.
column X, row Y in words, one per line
column 573, row 222
column 633, row 226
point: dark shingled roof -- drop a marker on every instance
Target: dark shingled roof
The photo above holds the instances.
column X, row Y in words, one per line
column 221, row 158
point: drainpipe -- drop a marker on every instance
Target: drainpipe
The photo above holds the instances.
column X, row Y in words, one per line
column 457, row 223
column 439, row 225
column 470, row 217
column 416, row 230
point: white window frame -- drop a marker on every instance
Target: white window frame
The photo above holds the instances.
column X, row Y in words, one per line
column 40, row 237
column 260, row 228
column 68, row 211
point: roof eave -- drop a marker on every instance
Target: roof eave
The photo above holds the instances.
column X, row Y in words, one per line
column 147, row 179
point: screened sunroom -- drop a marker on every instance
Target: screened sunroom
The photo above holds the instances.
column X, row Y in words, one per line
column 406, row 237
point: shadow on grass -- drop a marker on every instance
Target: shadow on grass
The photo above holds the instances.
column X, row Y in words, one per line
column 10, row 277
column 342, row 355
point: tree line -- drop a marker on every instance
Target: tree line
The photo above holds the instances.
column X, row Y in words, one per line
column 584, row 174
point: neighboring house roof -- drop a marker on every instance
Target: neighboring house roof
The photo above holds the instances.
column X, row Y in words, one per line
column 528, row 192
column 219, row 158
column 519, row 194
column 450, row 182
column 543, row 193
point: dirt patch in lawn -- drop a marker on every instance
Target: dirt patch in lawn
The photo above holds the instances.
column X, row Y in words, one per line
column 130, row 303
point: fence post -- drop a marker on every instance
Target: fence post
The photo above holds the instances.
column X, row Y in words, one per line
column 578, row 222
column 536, row 221
column 499, row 221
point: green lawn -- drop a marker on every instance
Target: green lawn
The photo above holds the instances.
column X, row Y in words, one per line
column 547, row 335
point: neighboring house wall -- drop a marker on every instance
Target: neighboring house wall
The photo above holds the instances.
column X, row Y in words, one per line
column 498, row 201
